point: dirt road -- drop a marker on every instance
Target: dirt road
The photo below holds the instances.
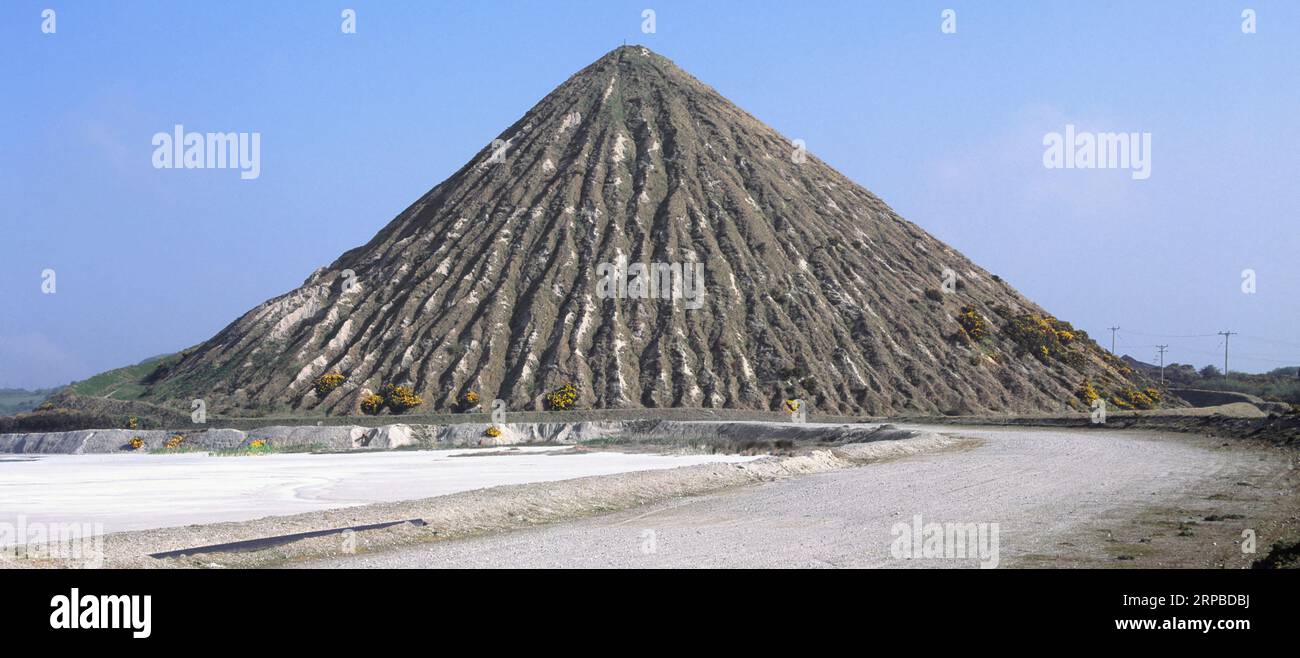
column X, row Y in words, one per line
column 1057, row 497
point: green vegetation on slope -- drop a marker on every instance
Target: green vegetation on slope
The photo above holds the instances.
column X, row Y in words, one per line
column 1277, row 389
column 126, row 383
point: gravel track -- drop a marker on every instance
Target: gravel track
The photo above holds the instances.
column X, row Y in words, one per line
column 1047, row 489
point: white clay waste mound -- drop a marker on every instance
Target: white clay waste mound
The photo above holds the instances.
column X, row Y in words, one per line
column 141, row 491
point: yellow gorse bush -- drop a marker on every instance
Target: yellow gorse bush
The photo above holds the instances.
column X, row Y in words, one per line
column 563, row 397
column 1086, row 393
column 1131, row 397
column 174, row 442
column 468, row 401
column 974, row 324
column 492, row 431
column 400, row 398
column 1046, row 337
column 258, row 447
column 326, row 383
column 136, row 443
column 372, row 404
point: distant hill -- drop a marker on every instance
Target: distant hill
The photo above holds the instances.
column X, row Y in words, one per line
column 1279, row 385
column 120, row 384
column 18, row 400
column 1176, row 373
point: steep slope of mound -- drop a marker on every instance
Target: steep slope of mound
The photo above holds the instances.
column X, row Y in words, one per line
column 491, row 282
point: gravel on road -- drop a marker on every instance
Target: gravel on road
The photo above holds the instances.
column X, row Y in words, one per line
column 1056, row 495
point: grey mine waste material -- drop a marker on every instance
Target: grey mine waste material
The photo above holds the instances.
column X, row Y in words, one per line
column 813, row 288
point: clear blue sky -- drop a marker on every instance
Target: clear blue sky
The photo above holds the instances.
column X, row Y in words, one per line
column 946, row 128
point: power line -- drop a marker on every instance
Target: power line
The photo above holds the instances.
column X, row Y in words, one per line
column 1246, row 336
column 1223, row 343
column 1270, row 340
column 1251, row 357
column 1145, row 335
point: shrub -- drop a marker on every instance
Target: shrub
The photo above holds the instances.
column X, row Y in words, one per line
column 1141, row 400
column 1116, row 363
column 136, row 443
column 791, row 406
column 1131, row 397
column 933, row 294
column 133, row 423
column 327, row 382
column 399, row 398
column 63, row 419
column 174, row 442
column 1033, row 334
column 1086, row 393
column 972, row 323
column 372, row 404
column 563, row 397
column 492, row 431
column 1074, row 358
column 796, row 371
column 1045, row 337
column 469, row 400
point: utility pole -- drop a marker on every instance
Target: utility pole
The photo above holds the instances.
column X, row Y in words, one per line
column 1225, row 335
column 1112, row 339
column 1162, row 349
